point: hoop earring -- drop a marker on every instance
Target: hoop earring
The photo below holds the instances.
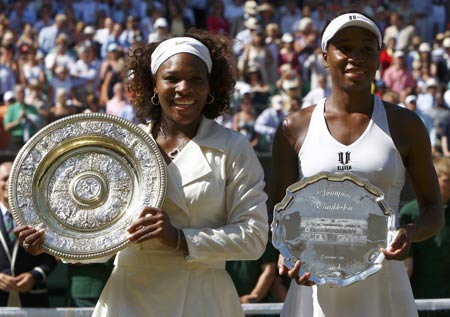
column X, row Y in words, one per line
column 211, row 99
column 153, row 98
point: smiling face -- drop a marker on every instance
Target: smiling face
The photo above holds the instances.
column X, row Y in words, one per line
column 352, row 57
column 182, row 86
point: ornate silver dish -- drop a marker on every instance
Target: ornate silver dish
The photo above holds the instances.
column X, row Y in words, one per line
column 335, row 224
column 84, row 179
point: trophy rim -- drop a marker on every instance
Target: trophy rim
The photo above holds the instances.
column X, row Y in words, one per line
column 289, row 259
column 117, row 149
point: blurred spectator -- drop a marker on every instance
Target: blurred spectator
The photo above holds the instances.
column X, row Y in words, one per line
column 398, row 30
column 428, row 100
column 63, row 107
column 244, row 119
column 119, row 100
column 244, row 37
column 93, row 105
column 217, row 22
column 260, row 89
column 266, row 14
column 290, row 16
column 268, row 121
column 411, row 103
column 22, row 121
column 111, row 71
column 113, row 38
column 178, row 22
column 8, row 99
column 31, row 69
column 59, row 55
column 36, row 95
column 387, row 54
column 239, row 23
column 257, row 55
column 316, row 94
column 27, row 37
column 287, row 53
column 47, row 35
column 398, row 77
column 161, row 30
column 233, row 10
column 102, row 33
column 131, row 33
column 61, row 80
column 85, row 73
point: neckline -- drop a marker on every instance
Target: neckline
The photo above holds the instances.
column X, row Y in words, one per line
column 363, row 134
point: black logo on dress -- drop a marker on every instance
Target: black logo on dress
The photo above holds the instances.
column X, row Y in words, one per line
column 344, row 159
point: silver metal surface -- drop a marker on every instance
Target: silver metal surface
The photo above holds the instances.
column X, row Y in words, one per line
column 335, row 224
column 84, row 179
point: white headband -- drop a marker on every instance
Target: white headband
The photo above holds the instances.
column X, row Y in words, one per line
column 346, row 20
column 176, row 45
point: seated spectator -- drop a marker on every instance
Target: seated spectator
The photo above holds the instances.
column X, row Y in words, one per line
column 119, row 100
column 244, row 119
column 22, row 121
column 161, row 30
column 63, row 107
column 268, row 121
column 316, row 94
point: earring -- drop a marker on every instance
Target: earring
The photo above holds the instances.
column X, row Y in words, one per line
column 211, row 99
column 153, row 98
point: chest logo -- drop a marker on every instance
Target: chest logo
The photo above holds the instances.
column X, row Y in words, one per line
column 344, row 159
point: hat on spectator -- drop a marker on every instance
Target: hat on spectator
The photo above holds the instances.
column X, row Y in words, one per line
column 410, row 98
column 89, row 30
column 277, row 102
column 160, row 23
column 266, row 7
column 303, row 24
column 399, row 54
column 431, row 83
column 251, row 7
column 290, row 84
column 251, row 23
column 247, row 89
column 446, row 42
column 9, row 96
column 286, row 67
column 424, row 47
column 287, row 38
column 112, row 47
column 440, row 37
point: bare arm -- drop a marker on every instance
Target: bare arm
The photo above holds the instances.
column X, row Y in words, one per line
column 263, row 284
column 412, row 141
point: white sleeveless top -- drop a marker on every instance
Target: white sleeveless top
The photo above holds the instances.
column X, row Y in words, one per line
column 372, row 156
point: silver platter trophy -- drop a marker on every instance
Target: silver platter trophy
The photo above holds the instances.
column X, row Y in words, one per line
column 84, row 179
column 335, row 224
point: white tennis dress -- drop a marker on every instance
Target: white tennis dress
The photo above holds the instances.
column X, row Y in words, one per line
column 372, row 156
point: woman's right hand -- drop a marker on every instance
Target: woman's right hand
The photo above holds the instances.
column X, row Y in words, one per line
column 30, row 238
column 294, row 272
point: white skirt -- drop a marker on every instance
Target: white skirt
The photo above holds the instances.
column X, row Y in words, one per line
column 385, row 294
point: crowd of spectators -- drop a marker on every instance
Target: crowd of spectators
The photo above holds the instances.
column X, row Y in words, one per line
column 69, row 57
column 59, row 58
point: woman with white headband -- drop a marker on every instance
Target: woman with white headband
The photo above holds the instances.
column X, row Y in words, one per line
column 215, row 205
column 382, row 142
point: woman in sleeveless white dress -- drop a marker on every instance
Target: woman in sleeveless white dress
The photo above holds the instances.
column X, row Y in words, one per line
column 380, row 149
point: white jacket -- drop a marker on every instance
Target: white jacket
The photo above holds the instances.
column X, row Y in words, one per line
column 215, row 193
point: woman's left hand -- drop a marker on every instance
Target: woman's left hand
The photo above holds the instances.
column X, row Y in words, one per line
column 153, row 223
column 399, row 248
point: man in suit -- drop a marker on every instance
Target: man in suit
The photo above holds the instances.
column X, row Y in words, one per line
column 22, row 275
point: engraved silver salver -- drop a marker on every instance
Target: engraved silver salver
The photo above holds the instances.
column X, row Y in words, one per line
column 84, row 179
column 335, row 224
